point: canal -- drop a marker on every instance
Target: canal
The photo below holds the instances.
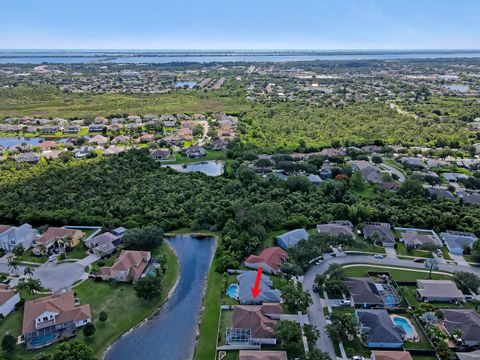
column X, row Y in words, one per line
column 171, row 334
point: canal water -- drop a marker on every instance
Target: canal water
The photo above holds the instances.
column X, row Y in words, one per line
column 171, row 334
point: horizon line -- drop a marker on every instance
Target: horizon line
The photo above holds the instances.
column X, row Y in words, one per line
column 240, row 49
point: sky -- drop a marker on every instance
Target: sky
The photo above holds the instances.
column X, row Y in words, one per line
column 240, row 24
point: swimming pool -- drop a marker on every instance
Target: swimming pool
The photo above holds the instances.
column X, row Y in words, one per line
column 232, row 291
column 405, row 324
column 390, row 301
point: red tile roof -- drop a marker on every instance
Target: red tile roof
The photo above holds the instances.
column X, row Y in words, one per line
column 55, row 233
column 4, row 228
column 6, row 295
column 272, row 256
column 252, row 317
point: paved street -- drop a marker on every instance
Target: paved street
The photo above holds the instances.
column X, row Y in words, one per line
column 393, row 170
column 58, row 276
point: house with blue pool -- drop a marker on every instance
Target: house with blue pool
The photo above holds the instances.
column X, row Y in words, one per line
column 246, row 281
column 379, row 330
column 291, row 238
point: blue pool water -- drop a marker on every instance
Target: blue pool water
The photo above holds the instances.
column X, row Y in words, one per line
column 389, row 301
column 42, row 340
column 405, row 324
column 232, row 291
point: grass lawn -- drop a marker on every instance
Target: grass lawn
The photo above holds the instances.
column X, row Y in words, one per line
column 226, row 321
column 471, row 259
column 209, row 155
column 362, row 245
column 368, row 193
column 398, row 275
column 123, row 307
column 78, row 252
column 402, row 250
column 422, row 343
column 231, row 355
column 446, row 254
column 29, row 257
column 423, row 357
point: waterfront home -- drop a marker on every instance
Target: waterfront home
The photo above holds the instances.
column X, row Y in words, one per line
column 467, row 320
column 160, row 154
column 291, row 238
column 378, row 329
column 418, row 239
column 195, row 151
column 8, row 300
column 129, row 266
column 51, row 319
column 56, row 237
column 49, row 130
column 269, row 260
column 103, row 244
column 267, row 294
column 255, row 323
column 96, row 127
column 262, row 355
column 11, row 236
column 458, row 242
column 438, row 290
column 71, row 129
column 364, row 293
column 383, row 229
column 31, row 158
column 390, row 355
column 47, row 145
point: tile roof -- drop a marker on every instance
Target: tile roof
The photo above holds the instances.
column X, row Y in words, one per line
column 468, row 320
column 272, row 256
column 391, row 355
column 262, row 355
column 379, row 327
column 55, row 233
column 252, row 317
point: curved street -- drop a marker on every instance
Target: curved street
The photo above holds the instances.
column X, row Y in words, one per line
column 315, row 311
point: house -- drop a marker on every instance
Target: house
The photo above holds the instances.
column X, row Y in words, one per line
column 457, row 242
column 438, row 290
column 473, row 355
column 96, row 128
column 269, row 259
column 418, row 239
column 8, row 300
column 291, row 238
column 49, row 130
column 71, row 129
column 467, row 320
column 378, row 329
column 335, row 229
column 113, row 150
column 390, row 355
column 370, row 173
column 51, row 319
column 82, row 152
column 103, row 244
column 121, row 139
column 441, row 194
column 145, row 138
column 454, row 177
column 98, row 140
column 56, row 237
column 11, row 236
column 195, row 151
column 256, row 322
column 383, row 229
column 245, row 284
column 364, row 293
column 262, row 355
column 31, row 158
column 129, row 266
column 469, row 197
column 160, row 154
column 47, row 145
column 119, row 231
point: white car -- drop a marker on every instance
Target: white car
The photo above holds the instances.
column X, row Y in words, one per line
column 358, row 357
column 378, row 256
column 52, row 258
column 345, row 303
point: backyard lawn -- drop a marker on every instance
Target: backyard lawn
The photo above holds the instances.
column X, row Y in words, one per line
column 402, row 250
column 209, row 155
column 78, row 252
column 398, row 275
column 123, row 307
column 29, row 257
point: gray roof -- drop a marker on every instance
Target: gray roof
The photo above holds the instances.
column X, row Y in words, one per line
column 364, row 291
column 102, row 239
column 246, row 281
column 473, row 355
column 335, row 229
column 379, row 327
column 468, row 320
column 455, row 239
column 438, row 288
column 441, row 193
column 291, row 238
column 382, row 228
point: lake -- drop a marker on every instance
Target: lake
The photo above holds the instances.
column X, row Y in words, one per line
column 17, row 140
column 171, row 334
column 181, row 84
column 458, row 87
column 210, row 168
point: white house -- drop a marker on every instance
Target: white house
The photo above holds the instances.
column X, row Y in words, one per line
column 11, row 236
column 8, row 300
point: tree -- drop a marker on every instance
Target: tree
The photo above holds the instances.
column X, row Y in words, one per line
column 146, row 238
column 311, row 332
column 467, row 281
column 290, row 270
column 375, row 237
column 89, row 329
column 288, row 332
column 377, row 159
column 298, row 183
column 103, row 316
column 444, row 352
column 28, row 271
column 296, row 299
column 8, row 343
column 457, row 332
column 316, row 354
column 18, row 250
column 342, row 326
column 148, row 287
column 411, row 188
column 431, row 264
column 74, row 350
column 29, row 285
column 356, row 181
column 13, row 265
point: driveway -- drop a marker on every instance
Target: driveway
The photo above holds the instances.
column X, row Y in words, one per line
column 390, row 252
column 59, row 276
column 89, row 260
column 459, row 259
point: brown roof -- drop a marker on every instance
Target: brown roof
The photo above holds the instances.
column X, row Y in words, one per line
column 4, row 228
column 391, row 355
column 62, row 304
column 134, row 262
column 252, row 317
column 272, row 256
column 6, row 295
column 47, row 144
column 55, row 233
column 262, row 355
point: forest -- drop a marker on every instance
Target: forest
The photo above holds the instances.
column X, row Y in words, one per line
column 134, row 191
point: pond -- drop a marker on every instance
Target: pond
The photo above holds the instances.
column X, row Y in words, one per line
column 210, row 168
column 181, row 84
column 171, row 334
column 10, row 141
column 458, row 87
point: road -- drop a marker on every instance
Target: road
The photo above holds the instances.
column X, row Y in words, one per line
column 394, row 170
column 315, row 311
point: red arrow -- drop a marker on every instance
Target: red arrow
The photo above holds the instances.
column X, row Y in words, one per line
column 256, row 289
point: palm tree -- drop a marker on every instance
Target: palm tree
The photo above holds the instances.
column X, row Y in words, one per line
column 28, row 271
column 12, row 265
column 31, row 285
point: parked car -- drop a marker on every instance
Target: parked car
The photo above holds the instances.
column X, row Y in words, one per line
column 358, row 357
column 6, row 281
column 439, row 253
column 378, row 256
column 345, row 303
column 52, row 258
column 419, row 260
column 315, row 288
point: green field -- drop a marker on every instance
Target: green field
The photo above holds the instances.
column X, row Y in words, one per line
column 123, row 307
column 402, row 250
column 398, row 275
